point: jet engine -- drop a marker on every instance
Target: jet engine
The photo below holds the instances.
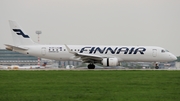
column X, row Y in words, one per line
column 110, row 62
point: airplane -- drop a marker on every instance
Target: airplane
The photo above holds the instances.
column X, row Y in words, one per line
column 91, row 54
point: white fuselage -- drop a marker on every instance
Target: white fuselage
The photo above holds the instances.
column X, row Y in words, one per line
column 122, row 53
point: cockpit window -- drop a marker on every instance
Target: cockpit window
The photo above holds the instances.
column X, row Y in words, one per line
column 162, row 51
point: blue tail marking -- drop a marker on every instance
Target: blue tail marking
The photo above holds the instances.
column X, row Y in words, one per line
column 19, row 32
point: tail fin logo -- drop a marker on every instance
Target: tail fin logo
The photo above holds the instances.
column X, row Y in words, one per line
column 19, row 32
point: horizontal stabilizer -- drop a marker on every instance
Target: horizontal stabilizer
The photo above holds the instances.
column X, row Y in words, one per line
column 11, row 47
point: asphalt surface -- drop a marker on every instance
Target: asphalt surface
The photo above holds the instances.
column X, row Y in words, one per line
column 85, row 68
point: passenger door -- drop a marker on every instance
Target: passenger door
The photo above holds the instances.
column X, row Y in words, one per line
column 154, row 52
column 43, row 50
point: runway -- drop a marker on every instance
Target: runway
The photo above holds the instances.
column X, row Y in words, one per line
column 84, row 68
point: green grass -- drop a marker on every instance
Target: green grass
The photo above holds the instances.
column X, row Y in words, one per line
column 89, row 85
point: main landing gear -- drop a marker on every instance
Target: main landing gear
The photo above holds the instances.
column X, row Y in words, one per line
column 91, row 66
column 156, row 66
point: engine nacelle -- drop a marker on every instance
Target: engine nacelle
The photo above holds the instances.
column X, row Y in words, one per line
column 110, row 62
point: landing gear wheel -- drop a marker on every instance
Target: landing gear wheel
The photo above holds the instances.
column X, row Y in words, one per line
column 91, row 66
column 156, row 66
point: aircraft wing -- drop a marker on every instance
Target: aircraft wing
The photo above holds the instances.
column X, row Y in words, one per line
column 86, row 57
column 89, row 58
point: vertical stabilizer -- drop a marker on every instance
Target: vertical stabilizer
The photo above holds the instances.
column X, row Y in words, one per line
column 19, row 36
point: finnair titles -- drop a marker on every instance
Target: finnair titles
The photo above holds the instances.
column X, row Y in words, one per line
column 117, row 50
column 105, row 50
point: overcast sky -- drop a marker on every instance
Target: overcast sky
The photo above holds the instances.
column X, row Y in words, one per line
column 97, row 22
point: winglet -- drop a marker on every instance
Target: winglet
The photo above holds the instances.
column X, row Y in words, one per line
column 69, row 50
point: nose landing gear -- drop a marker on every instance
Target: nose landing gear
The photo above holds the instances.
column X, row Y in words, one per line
column 156, row 66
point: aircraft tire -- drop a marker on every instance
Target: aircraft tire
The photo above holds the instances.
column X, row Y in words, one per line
column 91, row 66
column 156, row 67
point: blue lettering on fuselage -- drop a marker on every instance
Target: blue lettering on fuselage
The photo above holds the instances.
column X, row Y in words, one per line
column 123, row 49
column 84, row 49
column 100, row 50
column 116, row 50
column 140, row 50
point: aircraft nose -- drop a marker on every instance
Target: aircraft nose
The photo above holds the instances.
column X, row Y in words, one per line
column 173, row 57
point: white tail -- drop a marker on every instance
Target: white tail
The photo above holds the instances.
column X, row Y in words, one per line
column 19, row 36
